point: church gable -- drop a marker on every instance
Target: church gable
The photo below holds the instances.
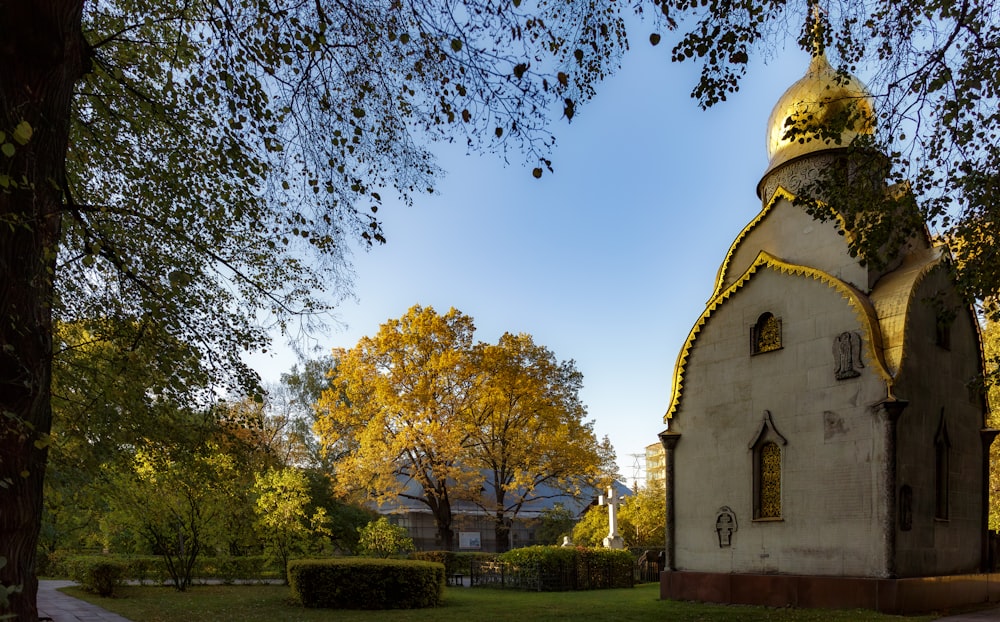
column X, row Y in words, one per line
column 758, row 426
column 764, row 329
column 787, row 231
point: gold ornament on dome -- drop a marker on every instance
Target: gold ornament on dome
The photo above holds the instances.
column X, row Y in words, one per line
column 824, row 110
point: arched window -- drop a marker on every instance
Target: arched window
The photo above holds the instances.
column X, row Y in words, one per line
column 766, row 450
column 765, row 335
column 770, row 480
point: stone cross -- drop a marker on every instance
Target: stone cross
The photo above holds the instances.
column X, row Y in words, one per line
column 612, row 500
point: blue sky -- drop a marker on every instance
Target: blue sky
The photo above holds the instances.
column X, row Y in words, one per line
column 610, row 260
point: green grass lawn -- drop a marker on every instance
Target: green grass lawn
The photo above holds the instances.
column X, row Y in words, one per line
column 253, row 603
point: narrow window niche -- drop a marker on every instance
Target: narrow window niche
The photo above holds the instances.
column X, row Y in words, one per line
column 942, row 449
column 942, row 331
column 765, row 334
column 767, row 457
column 945, row 313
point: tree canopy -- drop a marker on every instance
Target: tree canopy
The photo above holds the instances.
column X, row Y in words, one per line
column 991, row 351
column 431, row 416
column 204, row 168
column 149, row 476
column 400, row 402
column 528, row 434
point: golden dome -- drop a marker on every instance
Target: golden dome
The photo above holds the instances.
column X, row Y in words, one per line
column 817, row 110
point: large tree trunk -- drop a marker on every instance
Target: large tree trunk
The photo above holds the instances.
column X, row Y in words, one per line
column 501, row 526
column 42, row 55
column 501, row 530
column 442, row 518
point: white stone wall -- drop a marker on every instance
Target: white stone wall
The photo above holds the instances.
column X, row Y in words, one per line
column 831, row 513
column 935, row 380
column 792, row 235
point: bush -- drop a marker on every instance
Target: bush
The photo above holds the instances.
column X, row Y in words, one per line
column 52, row 564
column 151, row 569
column 145, row 569
column 557, row 568
column 100, row 575
column 231, row 569
column 380, row 538
column 352, row 583
column 545, row 556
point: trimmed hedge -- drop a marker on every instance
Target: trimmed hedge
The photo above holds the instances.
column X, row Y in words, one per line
column 557, row 568
column 145, row 569
column 545, row 556
column 454, row 562
column 363, row 583
column 100, row 575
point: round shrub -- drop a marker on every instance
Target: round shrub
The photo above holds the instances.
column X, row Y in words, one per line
column 357, row 583
column 99, row 575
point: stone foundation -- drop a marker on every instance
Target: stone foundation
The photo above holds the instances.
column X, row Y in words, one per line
column 895, row 596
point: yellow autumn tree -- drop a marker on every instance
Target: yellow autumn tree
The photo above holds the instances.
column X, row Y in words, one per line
column 991, row 354
column 421, row 412
column 400, row 402
column 527, row 436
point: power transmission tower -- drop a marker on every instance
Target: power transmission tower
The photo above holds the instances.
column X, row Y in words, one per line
column 638, row 470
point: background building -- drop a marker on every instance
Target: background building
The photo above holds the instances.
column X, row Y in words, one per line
column 473, row 527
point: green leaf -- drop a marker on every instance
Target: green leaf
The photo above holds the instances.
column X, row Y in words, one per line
column 8, row 150
column 456, row 45
column 23, row 132
column 654, row 39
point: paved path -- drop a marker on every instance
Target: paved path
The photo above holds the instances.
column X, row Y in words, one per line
column 58, row 607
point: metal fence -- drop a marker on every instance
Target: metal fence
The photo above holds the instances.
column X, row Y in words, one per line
column 552, row 577
column 648, row 566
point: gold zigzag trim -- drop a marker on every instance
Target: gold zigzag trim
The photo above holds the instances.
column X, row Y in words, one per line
column 861, row 305
column 779, row 193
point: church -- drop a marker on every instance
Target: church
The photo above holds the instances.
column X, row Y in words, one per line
column 824, row 446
